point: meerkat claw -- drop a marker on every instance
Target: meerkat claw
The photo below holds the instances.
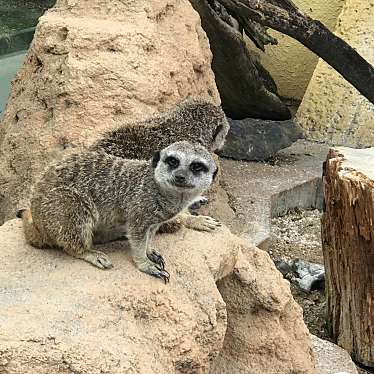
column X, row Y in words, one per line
column 156, row 257
column 163, row 274
column 153, row 269
column 199, row 203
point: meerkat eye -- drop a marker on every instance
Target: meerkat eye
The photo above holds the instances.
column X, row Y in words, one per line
column 172, row 162
column 197, row 167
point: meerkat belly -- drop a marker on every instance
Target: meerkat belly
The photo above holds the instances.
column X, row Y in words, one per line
column 107, row 234
column 110, row 226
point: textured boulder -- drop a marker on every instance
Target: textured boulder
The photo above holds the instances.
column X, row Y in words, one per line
column 91, row 66
column 58, row 313
column 257, row 140
column 256, row 296
column 332, row 110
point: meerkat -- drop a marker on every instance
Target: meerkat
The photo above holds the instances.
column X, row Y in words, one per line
column 194, row 120
column 85, row 195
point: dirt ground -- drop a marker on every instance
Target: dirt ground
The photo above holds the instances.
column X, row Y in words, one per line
column 298, row 235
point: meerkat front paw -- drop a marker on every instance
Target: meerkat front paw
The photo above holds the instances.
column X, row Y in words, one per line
column 198, row 203
column 156, row 257
column 202, row 223
column 97, row 258
column 154, row 269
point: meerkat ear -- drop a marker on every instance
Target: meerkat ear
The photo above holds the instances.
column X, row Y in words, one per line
column 155, row 159
column 217, row 131
column 215, row 173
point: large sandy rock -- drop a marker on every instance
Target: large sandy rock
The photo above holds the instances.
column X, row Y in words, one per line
column 265, row 332
column 332, row 109
column 59, row 314
column 94, row 64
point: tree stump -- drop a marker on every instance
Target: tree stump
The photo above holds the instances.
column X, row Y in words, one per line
column 348, row 249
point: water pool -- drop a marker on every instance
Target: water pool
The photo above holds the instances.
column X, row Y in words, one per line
column 18, row 19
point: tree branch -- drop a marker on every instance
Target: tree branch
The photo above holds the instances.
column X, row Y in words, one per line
column 285, row 17
column 246, row 88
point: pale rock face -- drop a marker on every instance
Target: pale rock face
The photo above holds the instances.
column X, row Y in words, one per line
column 332, row 110
column 265, row 332
column 92, row 66
column 60, row 314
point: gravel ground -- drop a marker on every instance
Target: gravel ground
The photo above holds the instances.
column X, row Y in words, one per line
column 297, row 235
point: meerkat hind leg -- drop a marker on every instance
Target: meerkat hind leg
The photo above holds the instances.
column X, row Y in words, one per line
column 96, row 258
column 74, row 233
column 82, row 249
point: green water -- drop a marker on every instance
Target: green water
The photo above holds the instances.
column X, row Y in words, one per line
column 18, row 19
column 16, row 15
column 9, row 66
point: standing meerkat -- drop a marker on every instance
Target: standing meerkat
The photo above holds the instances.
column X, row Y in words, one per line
column 83, row 196
column 194, row 120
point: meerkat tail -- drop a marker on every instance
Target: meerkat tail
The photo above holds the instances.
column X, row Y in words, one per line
column 32, row 234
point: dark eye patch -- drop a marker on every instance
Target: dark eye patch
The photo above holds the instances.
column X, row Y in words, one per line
column 197, row 167
column 172, row 162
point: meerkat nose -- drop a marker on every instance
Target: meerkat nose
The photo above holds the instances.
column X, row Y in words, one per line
column 180, row 178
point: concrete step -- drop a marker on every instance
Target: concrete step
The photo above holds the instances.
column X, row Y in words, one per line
column 259, row 191
column 331, row 359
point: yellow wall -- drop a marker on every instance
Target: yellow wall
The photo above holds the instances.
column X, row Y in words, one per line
column 332, row 110
column 289, row 62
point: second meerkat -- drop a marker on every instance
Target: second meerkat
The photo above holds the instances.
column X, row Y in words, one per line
column 194, row 120
column 86, row 195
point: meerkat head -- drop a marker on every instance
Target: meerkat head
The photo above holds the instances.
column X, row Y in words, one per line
column 203, row 121
column 184, row 168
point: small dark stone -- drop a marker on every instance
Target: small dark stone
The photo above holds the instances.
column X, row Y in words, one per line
column 282, row 266
column 258, row 140
column 311, row 276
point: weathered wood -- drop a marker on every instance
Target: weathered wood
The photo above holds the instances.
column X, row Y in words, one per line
column 348, row 249
column 285, row 17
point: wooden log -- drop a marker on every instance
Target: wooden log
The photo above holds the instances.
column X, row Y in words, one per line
column 348, row 249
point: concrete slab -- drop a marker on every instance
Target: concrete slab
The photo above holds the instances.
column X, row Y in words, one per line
column 259, row 190
column 331, row 359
